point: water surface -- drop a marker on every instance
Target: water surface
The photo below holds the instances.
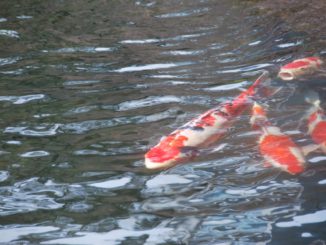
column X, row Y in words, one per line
column 87, row 87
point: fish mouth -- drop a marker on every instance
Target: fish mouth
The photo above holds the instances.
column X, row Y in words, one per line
column 286, row 75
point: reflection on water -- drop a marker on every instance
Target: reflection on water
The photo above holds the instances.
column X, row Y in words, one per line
column 87, row 87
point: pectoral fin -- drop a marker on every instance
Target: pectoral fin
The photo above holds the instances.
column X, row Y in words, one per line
column 309, row 148
column 266, row 164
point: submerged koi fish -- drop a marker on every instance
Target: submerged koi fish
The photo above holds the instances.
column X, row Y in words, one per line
column 184, row 143
column 277, row 148
column 316, row 121
column 299, row 67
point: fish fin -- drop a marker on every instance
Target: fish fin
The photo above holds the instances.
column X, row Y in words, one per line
column 264, row 77
column 213, row 149
column 312, row 97
column 189, row 150
column 269, row 91
column 309, row 148
column 266, row 164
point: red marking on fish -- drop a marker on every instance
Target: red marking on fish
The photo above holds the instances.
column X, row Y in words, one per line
column 207, row 120
column 297, row 64
column 319, row 132
column 277, row 148
column 317, row 60
column 313, row 117
column 317, row 127
column 169, row 148
column 200, row 132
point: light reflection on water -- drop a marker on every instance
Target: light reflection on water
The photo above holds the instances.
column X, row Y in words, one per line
column 88, row 87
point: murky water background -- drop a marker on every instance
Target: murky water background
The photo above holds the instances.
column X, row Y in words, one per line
column 88, row 86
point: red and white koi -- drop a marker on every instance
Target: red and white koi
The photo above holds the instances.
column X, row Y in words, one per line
column 299, row 67
column 184, row 143
column 316, row 121
column 277, row 148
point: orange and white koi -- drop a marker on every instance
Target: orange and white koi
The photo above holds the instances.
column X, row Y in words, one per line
column 184, row 143
column 277, row 148
column 299, row 67
column 316, row 121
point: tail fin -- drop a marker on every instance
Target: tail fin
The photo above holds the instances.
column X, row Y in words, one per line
column 312, row 97
column 258, row 116
column 262, row 78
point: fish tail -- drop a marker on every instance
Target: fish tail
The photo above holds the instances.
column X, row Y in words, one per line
column 262, row 78
column 258, row 116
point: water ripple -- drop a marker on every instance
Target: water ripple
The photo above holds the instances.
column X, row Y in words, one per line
column 159, row 100
column 142, row 41
column 152, row 67
column 4, row 175
column 32, row 154
column 246, row 68
column 317, row 159
column 227, row 87
column 112, row 183
column 153, row 236
column 299, row 220
column 39, row 131
column 166, row 179
column 13, row 142
column 288, row 45
column 82, row 127
column 146, row 102
column 183, row 13
column 81, row 82
column 26, row 196
column 12, row 233
column 157, row 40
column 82, row 109
column 80, row 49
column 86, row 92
column 23, row 99
column 9, row 60
column 184, row 52
column 114, row 151
column 24, row 17
column 9, row 33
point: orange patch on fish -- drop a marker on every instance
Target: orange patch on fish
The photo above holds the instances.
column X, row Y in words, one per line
column 319, row 132
column 168, row 149
column 277, row 148
column 207, row 120
column 296, row 64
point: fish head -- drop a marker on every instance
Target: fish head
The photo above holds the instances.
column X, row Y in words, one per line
column 299, row 67
column 170, row 151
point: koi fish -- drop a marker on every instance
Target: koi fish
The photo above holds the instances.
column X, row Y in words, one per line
column 184, row 143
column 316, row 121
column 277, row 148
column 299, row 67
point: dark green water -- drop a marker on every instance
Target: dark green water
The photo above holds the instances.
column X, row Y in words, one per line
column 86, row 87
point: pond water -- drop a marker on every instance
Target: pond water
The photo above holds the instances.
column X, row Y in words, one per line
column 87, row 87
